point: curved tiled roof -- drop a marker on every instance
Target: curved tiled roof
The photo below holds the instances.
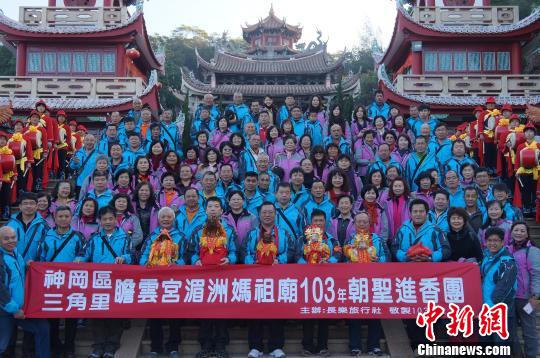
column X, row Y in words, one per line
column 195, row 85
column 453, row 100
column 271, row 22
column 78, row 103
column 314, row 63
column 477, row 29
column 64, row 29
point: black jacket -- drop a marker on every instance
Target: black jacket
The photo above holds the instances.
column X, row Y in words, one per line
column 464, row 243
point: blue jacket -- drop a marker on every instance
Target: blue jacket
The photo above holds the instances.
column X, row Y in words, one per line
column 103, row 145
column 53, row 240
column 222, row 191
column 432, row 122
column 246, row 163
column 186, row 227
column 326, row 206
column 457, row 199
column 282, row 243
column 499, row 279
column 169, row 135
column 443, row 151
column 177, row 236
column 102, row 199
column 316, row 131
column 428, row 234
column 375, row 110
column 300, row 197
column 242, row 115
column 383, row 253
column 440, row 221
column 97, row 252
column 130, row 156
column 13, row 279
column 413, row 169
column 511, row 212
column 214, row 112
column 29, row 240
column 89, row 164
column 380, row 165
column 333, row 245
column 283, row 114
column 299, row 127
column 253, row 203
column 202, row 126
column 344, row 145
column 455, row 164
column 294, row 218
column 195, row 243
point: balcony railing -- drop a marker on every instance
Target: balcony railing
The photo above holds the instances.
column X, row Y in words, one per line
column 466, row 85
column 71, row 87
column 459, row 16
column 99, row 17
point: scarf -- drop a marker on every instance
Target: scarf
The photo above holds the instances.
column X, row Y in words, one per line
column 373, row 211
column 156, row 161
column 399, row 207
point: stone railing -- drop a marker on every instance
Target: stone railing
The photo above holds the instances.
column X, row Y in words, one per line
column 99, row 17
column 464, row 85
column 457, row 15
column 71, row 87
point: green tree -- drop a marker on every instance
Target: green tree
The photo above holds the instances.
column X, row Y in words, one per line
column 7, row 62
column 186, row 135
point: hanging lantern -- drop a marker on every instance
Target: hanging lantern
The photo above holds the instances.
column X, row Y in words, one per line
column 133, row 53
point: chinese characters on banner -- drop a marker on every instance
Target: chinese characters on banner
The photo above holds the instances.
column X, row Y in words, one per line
column 389, row 290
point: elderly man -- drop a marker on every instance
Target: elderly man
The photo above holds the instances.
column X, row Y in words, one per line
column 420, row 160
column 135, row 112
column 240, row 110
column 165, row 231
column 263, row 166
column 12, row 268
column 336, row 137
column 84, row 160
column 249, row 157
column 208, row 104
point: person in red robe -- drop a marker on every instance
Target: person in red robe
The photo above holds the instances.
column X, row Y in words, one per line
column 526, row 166
column 8, row 176
column 50, row 165
column 473, row 135
column 21, row 146
column 64, row 145
column 487, row 122
column 38, row 138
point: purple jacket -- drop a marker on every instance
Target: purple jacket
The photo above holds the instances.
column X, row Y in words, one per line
column 389, row 210
column 398, row 157
column 153, row 217
column 333, row 230
column 152, row 179
column 86, row 229
column 379, row 138
column 287, row 164
column 217, row 137
column 528, row 263
column 273, row 149
column 363, row 155
column 177, row 200
column 381, row 227
column 54, row 205
column 131, row 226
column 504, row 224
column 427, row 198
column 356, row 130
column 242, row 228
column 326, row 170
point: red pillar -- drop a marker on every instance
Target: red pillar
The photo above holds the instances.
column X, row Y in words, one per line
column 121, row 69
column 515, row 58
column 21, row 59
column 52, row 3
column 486, row 2
column 107, row 3
column 416, row 68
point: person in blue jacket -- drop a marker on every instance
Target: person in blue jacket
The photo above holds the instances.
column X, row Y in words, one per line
column 499, row 278
column 203, row 123
column 101, row 192
column 299, row 193
column 336, row 136
column 298, row 121
column 439, row 215
column 12, row 273
column 166, row 222
column 133, row 150
column 379, row 107
column 420, row 230
column 266, row 233
column 314, row 128
column 192, row 214
column 424, row 113
column 240, row 110
column 249, row 156
column 455, row 191
column 512, row 213
column 169, row 131
column 110, row 245
column 440, row 145
column 129, row 126
column 384, row 160
column 83, row 161
column 62, row 244
column 208, row 104
column 217, row 341
column 320, row 201
column 30, row 227
column 288, row 216
column 458, row 158
column 111, row 137
column 418, row 161
column 285, row 110
column 253, row 197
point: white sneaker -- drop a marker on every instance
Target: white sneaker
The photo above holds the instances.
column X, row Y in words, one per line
column 254, row 353
column 278, row 353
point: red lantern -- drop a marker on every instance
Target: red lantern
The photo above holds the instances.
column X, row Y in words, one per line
column 133, row 53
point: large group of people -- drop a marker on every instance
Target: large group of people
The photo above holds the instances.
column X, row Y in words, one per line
column 268, row 184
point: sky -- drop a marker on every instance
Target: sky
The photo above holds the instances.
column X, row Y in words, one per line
column 341, row 21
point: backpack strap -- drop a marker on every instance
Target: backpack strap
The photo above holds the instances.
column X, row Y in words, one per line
column 61, row 247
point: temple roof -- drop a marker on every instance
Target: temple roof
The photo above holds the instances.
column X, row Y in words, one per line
column 104, row 104
column 271, row 22
column 307, row 63
column 453, row 101
column 196, row 86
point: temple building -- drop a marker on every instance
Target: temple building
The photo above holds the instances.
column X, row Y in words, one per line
column 87, row 57
column 271, row 65
column 452, row 54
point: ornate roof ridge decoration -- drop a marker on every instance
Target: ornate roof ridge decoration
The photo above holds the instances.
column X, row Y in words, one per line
column 64, row 29
column 195, row 85
column 79, row 103
column 271, row 22
column 314, row 62
column 476, row 29
column 453, row 100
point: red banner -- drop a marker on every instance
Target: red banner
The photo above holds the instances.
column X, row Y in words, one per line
column 376, row 290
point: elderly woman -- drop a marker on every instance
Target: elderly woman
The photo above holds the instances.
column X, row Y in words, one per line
column 164, row 234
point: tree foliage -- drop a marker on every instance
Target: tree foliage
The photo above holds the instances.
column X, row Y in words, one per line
column 7, row 62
